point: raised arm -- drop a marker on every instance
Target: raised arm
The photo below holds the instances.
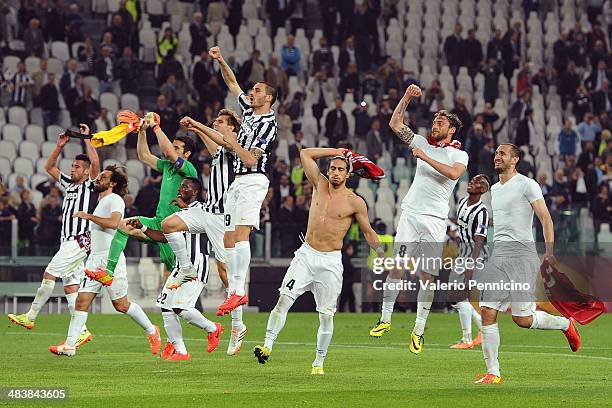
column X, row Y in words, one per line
column 94, row 170
column 226, row 71
column 142, row 148
column 541, row 211
column 51, row 165
column 397, row 124
column 112, row 222
column 210, row 137
column 309, row 161
column 361, row 215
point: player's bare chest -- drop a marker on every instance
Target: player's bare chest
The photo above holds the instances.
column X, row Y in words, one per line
column 331, row 208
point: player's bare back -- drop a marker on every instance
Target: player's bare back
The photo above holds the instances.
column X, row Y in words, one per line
column 330, row 217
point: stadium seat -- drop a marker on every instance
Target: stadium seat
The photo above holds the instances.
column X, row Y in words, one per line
column 148, row 49
column 135, row 169
column 56, row 66
column 384, row 211
column 12, row 133
column 59, row 50
column 9, row 63
column 282, row 150
column 38, row 178
column 18, row 116
column 35, row 133
column 5, row 167
column 131, row 102
column 133, row 185
column 32, row 64
column 53, row 132
column 13, row 176
column 65, row 165
column 93, row 83
column 72, row 149
column 2, row 117
column 29, row 150
column 109, row 101
column 36, row 117
column 23, row 166
column 40, row 165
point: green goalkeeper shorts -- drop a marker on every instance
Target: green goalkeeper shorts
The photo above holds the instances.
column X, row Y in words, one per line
column 166, row 255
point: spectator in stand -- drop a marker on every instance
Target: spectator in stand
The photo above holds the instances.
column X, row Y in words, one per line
column 512, row 52
column 24, row 15
column 607, row 18
column 147, row 198
column 578, row 50
column 284, row 189
column 87, row 54
column 252, row 71
column 587, row 157
column 68, row 78
column 349, row 83
column 489, row 115
column 560, row 192
column 495, row 47
column 105, row 70
column 74, row 96
column 391, row 74
column 291, row 57
column 7, row 215
column 167, row 47
column 87, row 109
column 103, row 122
column 336, row 124
column 568, row 140
column 212, row 92
column 19, row 185
column 205, row 175
column 129, row 71
column 462, row 111
column 526, row 134
column 605, row 144
column 472, row 49
column 598, row 54
column 54, row 26
column 133, row 247
column 50, row 221
column 284, row 122
column 33, row 39
column 595, row 81
column 120, row 32
column 297, row 14
column 40, row 77
column 285, row 223
column 350, row 275
column 322, row 90
column 542, row 79
column 74, row 23
column 582, row 102
column 485, row 159
column 323, row 57
column 601, row 208
column 301, row 214
column 234, row 18
column 491, row 74
column 199, row 35
column 20, row 85
column 596, row 34
column 543, row 182
column 602, row 99
column 107, row 42
column 27, row 218
column 347, row 54
column 561, row 53
column 170, row 66
column 295, row 148
column 374, row 142
column 203, row 70
column 474, row 143
column 569, row 81
column 434, row 99
column 588, row 129
column 523, row 79
column 168, row 89
column 365, row 35
column 168, row 117
column 363, row 121
column 278, row 11
column 454, row 51
column 370, row 85
column 129, row 22
column 277, row 77
column 48, row 100
column 216, row 15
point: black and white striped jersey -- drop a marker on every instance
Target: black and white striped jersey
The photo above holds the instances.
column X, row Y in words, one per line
column 472, row 220
column 77, row 197
column 256, row 132
column 20, row 90
column 198, row 248
column 221, row 177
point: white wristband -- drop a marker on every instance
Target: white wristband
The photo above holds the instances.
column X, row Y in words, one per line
column 144, row 228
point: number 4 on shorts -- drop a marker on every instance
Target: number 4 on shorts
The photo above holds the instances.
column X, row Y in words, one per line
column 290, row 284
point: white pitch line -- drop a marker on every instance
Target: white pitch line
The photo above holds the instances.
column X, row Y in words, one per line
column 357, row 345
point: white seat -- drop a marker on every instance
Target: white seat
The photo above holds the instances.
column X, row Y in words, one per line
column 38, row 178
column 47, row 148
column 56, row 66
column 282, row 150
column 29, row 150
column 148, row 43
column 32, row 64
column 23, row 166
column 385, row 194
column 65, row 165
column 35, row 133
column 5, row 167
column 59, row 50
column 154, row 7
column 94, row 84
column 130, row 102
column 109, row 101
column 366, row 193
column 72, row 149
column 111, row 162
column 36, row 117
column 53, row 132
column 133, row 185
column 40, row 165
column 384, row 211
column 18, row 116
column 12, row 133
column 136, row 169
column 9, row 63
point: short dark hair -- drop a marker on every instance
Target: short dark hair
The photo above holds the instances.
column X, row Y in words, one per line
column 344, row 159
column 120, row 178
column 84, row 158
column 196, row 184
column 270, row 90
column 452, row 119
column 516, row 152
column 484, row 176
column 232, row 118
column 189, row 144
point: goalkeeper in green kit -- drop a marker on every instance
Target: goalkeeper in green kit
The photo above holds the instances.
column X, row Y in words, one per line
column 174, row 169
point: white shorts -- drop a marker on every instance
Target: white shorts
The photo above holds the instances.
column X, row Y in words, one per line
column 119, row 287
column 200, row 221
column 185, row 297
column 68, row 263
column 421, row 236
column 520, row 269
column 318, row 272
column 244, row 199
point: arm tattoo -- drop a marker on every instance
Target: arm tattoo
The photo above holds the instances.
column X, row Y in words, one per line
column 406, row 135
column 257, row 153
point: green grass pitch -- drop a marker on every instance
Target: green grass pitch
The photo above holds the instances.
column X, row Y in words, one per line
column 116, row 368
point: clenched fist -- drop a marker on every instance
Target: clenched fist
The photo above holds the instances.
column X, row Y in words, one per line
column 413, row 91
column 215, row 53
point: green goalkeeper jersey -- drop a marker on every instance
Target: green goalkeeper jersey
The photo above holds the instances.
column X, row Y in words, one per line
column 171, row 181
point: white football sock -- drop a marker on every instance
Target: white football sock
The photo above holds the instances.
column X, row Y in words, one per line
column 465, row 318
column 242, row 259
column 237, row 318
column 77, row 321
column 42, row 295
column 424, row 300
column 477, row 318
column 276, row 321
column 176, row 240
column 173, row 328
column 389, row 298
column 139, row 316
column 230, row 267
column 490, row 348
column 71, row 299
column 324, row 336
column 195, row 318
column 545, row 321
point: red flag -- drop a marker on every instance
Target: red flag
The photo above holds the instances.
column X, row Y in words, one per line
column 568, row 300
